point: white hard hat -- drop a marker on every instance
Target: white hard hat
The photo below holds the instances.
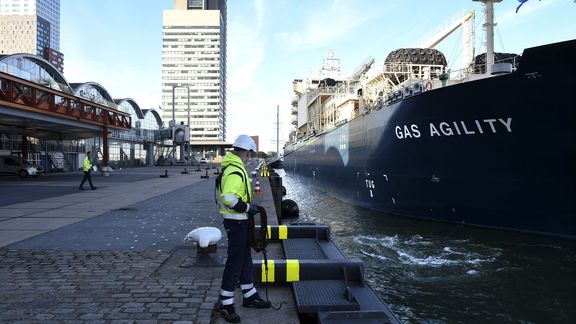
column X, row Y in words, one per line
column 245, row 142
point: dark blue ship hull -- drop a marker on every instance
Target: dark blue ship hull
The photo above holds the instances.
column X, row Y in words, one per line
column 497, row 152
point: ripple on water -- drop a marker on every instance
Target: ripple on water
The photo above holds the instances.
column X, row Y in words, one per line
column 419, row 251
column 443, row 273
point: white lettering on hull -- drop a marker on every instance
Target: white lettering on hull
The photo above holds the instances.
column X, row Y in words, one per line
column 456, row 128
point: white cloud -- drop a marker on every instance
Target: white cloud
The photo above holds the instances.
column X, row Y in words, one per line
column 245, row 50
column 327, row 26
column 524, row 14
column 259, row 5
column 254, row 113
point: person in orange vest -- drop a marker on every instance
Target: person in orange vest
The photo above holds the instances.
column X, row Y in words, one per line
column 87, row 168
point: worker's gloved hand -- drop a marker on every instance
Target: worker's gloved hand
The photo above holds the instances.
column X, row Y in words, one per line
column 253, row 210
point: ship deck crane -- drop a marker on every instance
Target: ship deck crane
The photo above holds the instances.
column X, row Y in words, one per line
column 464, row 19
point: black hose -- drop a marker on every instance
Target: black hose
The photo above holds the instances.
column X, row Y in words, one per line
column 259, row 243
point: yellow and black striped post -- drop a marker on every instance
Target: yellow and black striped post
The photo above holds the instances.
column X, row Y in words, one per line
column 280, row 271
column 290, row 270
column 284, row 232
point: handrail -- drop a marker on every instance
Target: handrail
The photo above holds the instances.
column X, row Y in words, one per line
column 23, row 94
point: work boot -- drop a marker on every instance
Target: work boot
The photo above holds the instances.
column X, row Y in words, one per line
column 255, row 301
column 94, row 188
column 229, row 314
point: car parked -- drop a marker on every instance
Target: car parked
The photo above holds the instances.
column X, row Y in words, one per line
column 12, row 164
column 203, row 160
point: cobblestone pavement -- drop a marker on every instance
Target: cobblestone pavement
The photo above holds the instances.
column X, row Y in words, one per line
column 49, row 286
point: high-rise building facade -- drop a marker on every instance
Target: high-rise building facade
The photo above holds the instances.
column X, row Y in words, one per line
column 33, row 27
column 194, row 68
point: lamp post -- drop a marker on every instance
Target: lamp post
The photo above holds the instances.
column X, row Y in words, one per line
column 188, row 87
column 174, row 86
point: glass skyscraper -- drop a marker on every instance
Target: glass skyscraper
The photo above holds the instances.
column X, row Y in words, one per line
column 33, row 27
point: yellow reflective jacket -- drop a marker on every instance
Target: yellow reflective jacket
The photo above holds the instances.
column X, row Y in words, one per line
column 235, row 189
column 87, row 165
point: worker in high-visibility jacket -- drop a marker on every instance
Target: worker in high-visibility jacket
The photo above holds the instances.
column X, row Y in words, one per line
column 235, row 201
column 87, row 168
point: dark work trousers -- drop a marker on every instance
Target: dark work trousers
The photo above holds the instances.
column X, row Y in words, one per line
column 239, row 263
column 87, row 176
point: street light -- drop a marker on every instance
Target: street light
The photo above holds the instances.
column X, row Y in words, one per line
column 174, row 86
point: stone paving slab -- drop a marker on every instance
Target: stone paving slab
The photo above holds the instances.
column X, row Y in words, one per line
column 36, row 223
column 97, row 205
column 69, row 198
column 158, row 223
column 13, row 236
column 66, row 212
column 16, row 212
column 40, row 205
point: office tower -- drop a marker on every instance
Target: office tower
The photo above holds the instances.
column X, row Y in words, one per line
column 194, row 68
column 31, row 26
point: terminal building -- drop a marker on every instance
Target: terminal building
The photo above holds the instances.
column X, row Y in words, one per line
column 52, row 123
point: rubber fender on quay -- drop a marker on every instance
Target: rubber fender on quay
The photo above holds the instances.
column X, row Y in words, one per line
column 289, row 209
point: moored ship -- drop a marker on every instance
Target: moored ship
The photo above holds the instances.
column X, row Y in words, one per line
column 492, row 145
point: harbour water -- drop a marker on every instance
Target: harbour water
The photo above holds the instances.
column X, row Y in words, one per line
column 431, row 272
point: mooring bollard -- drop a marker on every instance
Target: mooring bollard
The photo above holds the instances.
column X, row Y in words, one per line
column 206, row 239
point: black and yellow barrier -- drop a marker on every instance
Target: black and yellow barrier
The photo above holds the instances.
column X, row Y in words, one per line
column 283, row 232
column 290, row 270
column 264, row 173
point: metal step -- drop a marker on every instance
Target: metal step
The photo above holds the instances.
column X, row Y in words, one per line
column 303, row 249
column 324, row 281
column 322, row 295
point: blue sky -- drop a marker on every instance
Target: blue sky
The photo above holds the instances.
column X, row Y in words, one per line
column 117, row 43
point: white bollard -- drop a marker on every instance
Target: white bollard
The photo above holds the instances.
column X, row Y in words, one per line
column 207, row 240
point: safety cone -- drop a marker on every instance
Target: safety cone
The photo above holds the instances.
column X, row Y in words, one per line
column 257, row 187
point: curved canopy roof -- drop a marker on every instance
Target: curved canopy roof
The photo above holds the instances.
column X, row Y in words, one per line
column 132, row 103
column 80, row 89
column 58, row 77
column 155, row 113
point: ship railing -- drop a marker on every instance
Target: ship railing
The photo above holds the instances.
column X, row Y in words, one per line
column 316, row 92
column 341, row 89
column 405, row 90
column 402, row 71
column 461, row 74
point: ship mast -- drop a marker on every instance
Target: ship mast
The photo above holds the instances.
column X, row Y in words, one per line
column 489, row 25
